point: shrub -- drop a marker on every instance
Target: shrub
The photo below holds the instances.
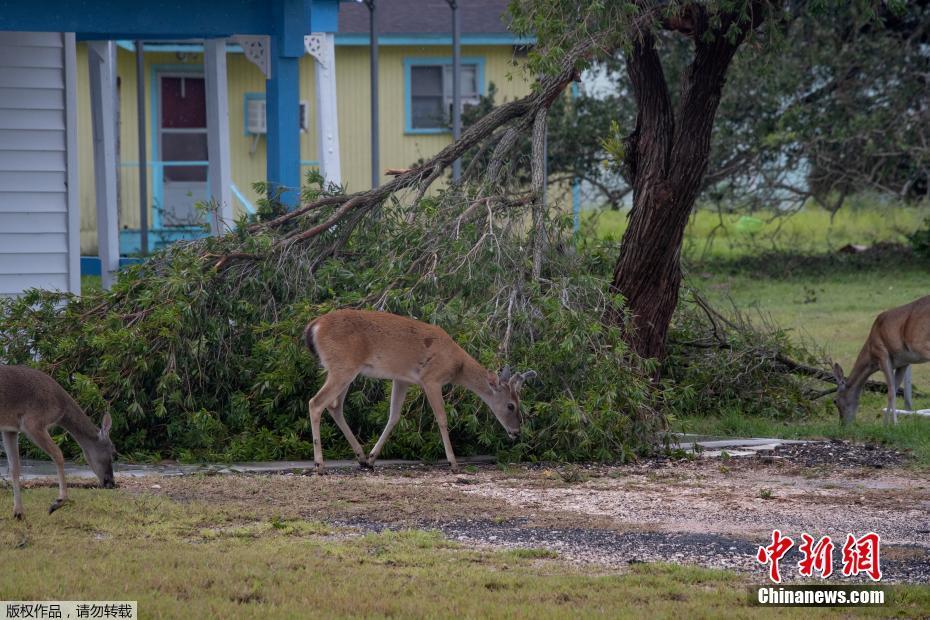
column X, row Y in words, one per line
column 199, row 362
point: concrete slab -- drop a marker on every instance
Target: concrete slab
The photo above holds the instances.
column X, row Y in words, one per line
column 45, row 469
column 711, row 454
column 736, row 447
column 708, row 447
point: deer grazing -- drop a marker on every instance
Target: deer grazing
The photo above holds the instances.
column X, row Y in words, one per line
column 31, row 402
column 899, row 337
column 409, row 352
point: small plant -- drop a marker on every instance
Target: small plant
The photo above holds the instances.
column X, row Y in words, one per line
column 810, row 295
column 920, row 240
column 681, row 455
column 766, row 493
column 533, row 553
column 725, row 456
column 572, row 474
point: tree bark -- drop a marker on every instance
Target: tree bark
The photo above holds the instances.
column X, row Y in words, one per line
column 539, row 190
column 667, row 159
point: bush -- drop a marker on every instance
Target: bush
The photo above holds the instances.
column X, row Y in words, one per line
column 196, row 362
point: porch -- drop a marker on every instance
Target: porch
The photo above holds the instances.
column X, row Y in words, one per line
column 188, row 160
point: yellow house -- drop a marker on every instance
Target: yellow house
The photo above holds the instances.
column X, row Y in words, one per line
column 414, row 96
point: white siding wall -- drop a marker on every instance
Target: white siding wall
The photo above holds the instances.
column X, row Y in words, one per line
column 38, row 180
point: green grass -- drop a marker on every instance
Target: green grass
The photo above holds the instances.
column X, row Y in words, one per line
column 206, row 561
column 809, row 230
column 90, row 283
column 824, row 301
column 833, row 311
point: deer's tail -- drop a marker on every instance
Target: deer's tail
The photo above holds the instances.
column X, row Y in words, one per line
column 308, row 337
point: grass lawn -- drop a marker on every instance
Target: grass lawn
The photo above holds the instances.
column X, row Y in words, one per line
column 810, row 230
column 829, row 308
column 209, row 561
column 832, row 311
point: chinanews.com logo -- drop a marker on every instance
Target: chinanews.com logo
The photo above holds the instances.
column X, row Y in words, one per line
column 859, row 555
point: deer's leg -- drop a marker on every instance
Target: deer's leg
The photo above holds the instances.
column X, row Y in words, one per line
column 332, row 388
column 398, row 394
column 903, row 374
column 40, row 437
column 11, row 447
column 889, row 373
column 434, row 396
column 335, row 410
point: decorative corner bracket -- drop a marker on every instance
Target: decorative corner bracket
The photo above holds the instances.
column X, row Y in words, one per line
column 313, row 44
column 257, row 50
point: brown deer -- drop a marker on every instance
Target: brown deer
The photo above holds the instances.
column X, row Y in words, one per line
column 409, row 352
column 899, row 337
column 31, row 402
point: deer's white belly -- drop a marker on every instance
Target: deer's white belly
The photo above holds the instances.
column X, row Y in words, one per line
column 383, row 373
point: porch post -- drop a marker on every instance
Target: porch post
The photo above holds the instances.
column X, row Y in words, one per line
column 282, row 110
column 291, row 19
column 101, row 59
column 217, row 99
column 321, row 45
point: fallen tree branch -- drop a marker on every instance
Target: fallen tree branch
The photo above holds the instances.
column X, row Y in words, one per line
column 525, row 109
column 794, row 367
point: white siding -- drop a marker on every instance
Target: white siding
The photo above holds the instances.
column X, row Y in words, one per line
column 37, row 172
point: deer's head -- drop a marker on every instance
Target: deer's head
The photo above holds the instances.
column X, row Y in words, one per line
column 846, row 399
column 100, row 454
column 504, row 400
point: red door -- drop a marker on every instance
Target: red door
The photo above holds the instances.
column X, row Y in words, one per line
column 182, row 140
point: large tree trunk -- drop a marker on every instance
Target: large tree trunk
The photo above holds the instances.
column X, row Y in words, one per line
column 667, row 156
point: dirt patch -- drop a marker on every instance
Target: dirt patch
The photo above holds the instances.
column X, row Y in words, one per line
column 842, row 454
column 405, row 497
column 701, row 511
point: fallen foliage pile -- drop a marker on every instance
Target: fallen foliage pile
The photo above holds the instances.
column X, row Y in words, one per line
column 197, row 352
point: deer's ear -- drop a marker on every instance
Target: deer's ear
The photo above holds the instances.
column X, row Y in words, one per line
column 105, row 426
column 517, row 381
column 838, row 373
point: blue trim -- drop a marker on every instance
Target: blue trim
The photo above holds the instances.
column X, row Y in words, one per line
column 290, row 20
column 130, row 239
column 248, row 206
column 576, row 205
column 118, row 19
column 324, row 16
column 90, row 265
column 352, row 40
column 191, row 48
column 245, row 110
column 410, row 62
column 361, row 39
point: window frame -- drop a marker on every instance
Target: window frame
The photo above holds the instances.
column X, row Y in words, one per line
column 409, row 63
